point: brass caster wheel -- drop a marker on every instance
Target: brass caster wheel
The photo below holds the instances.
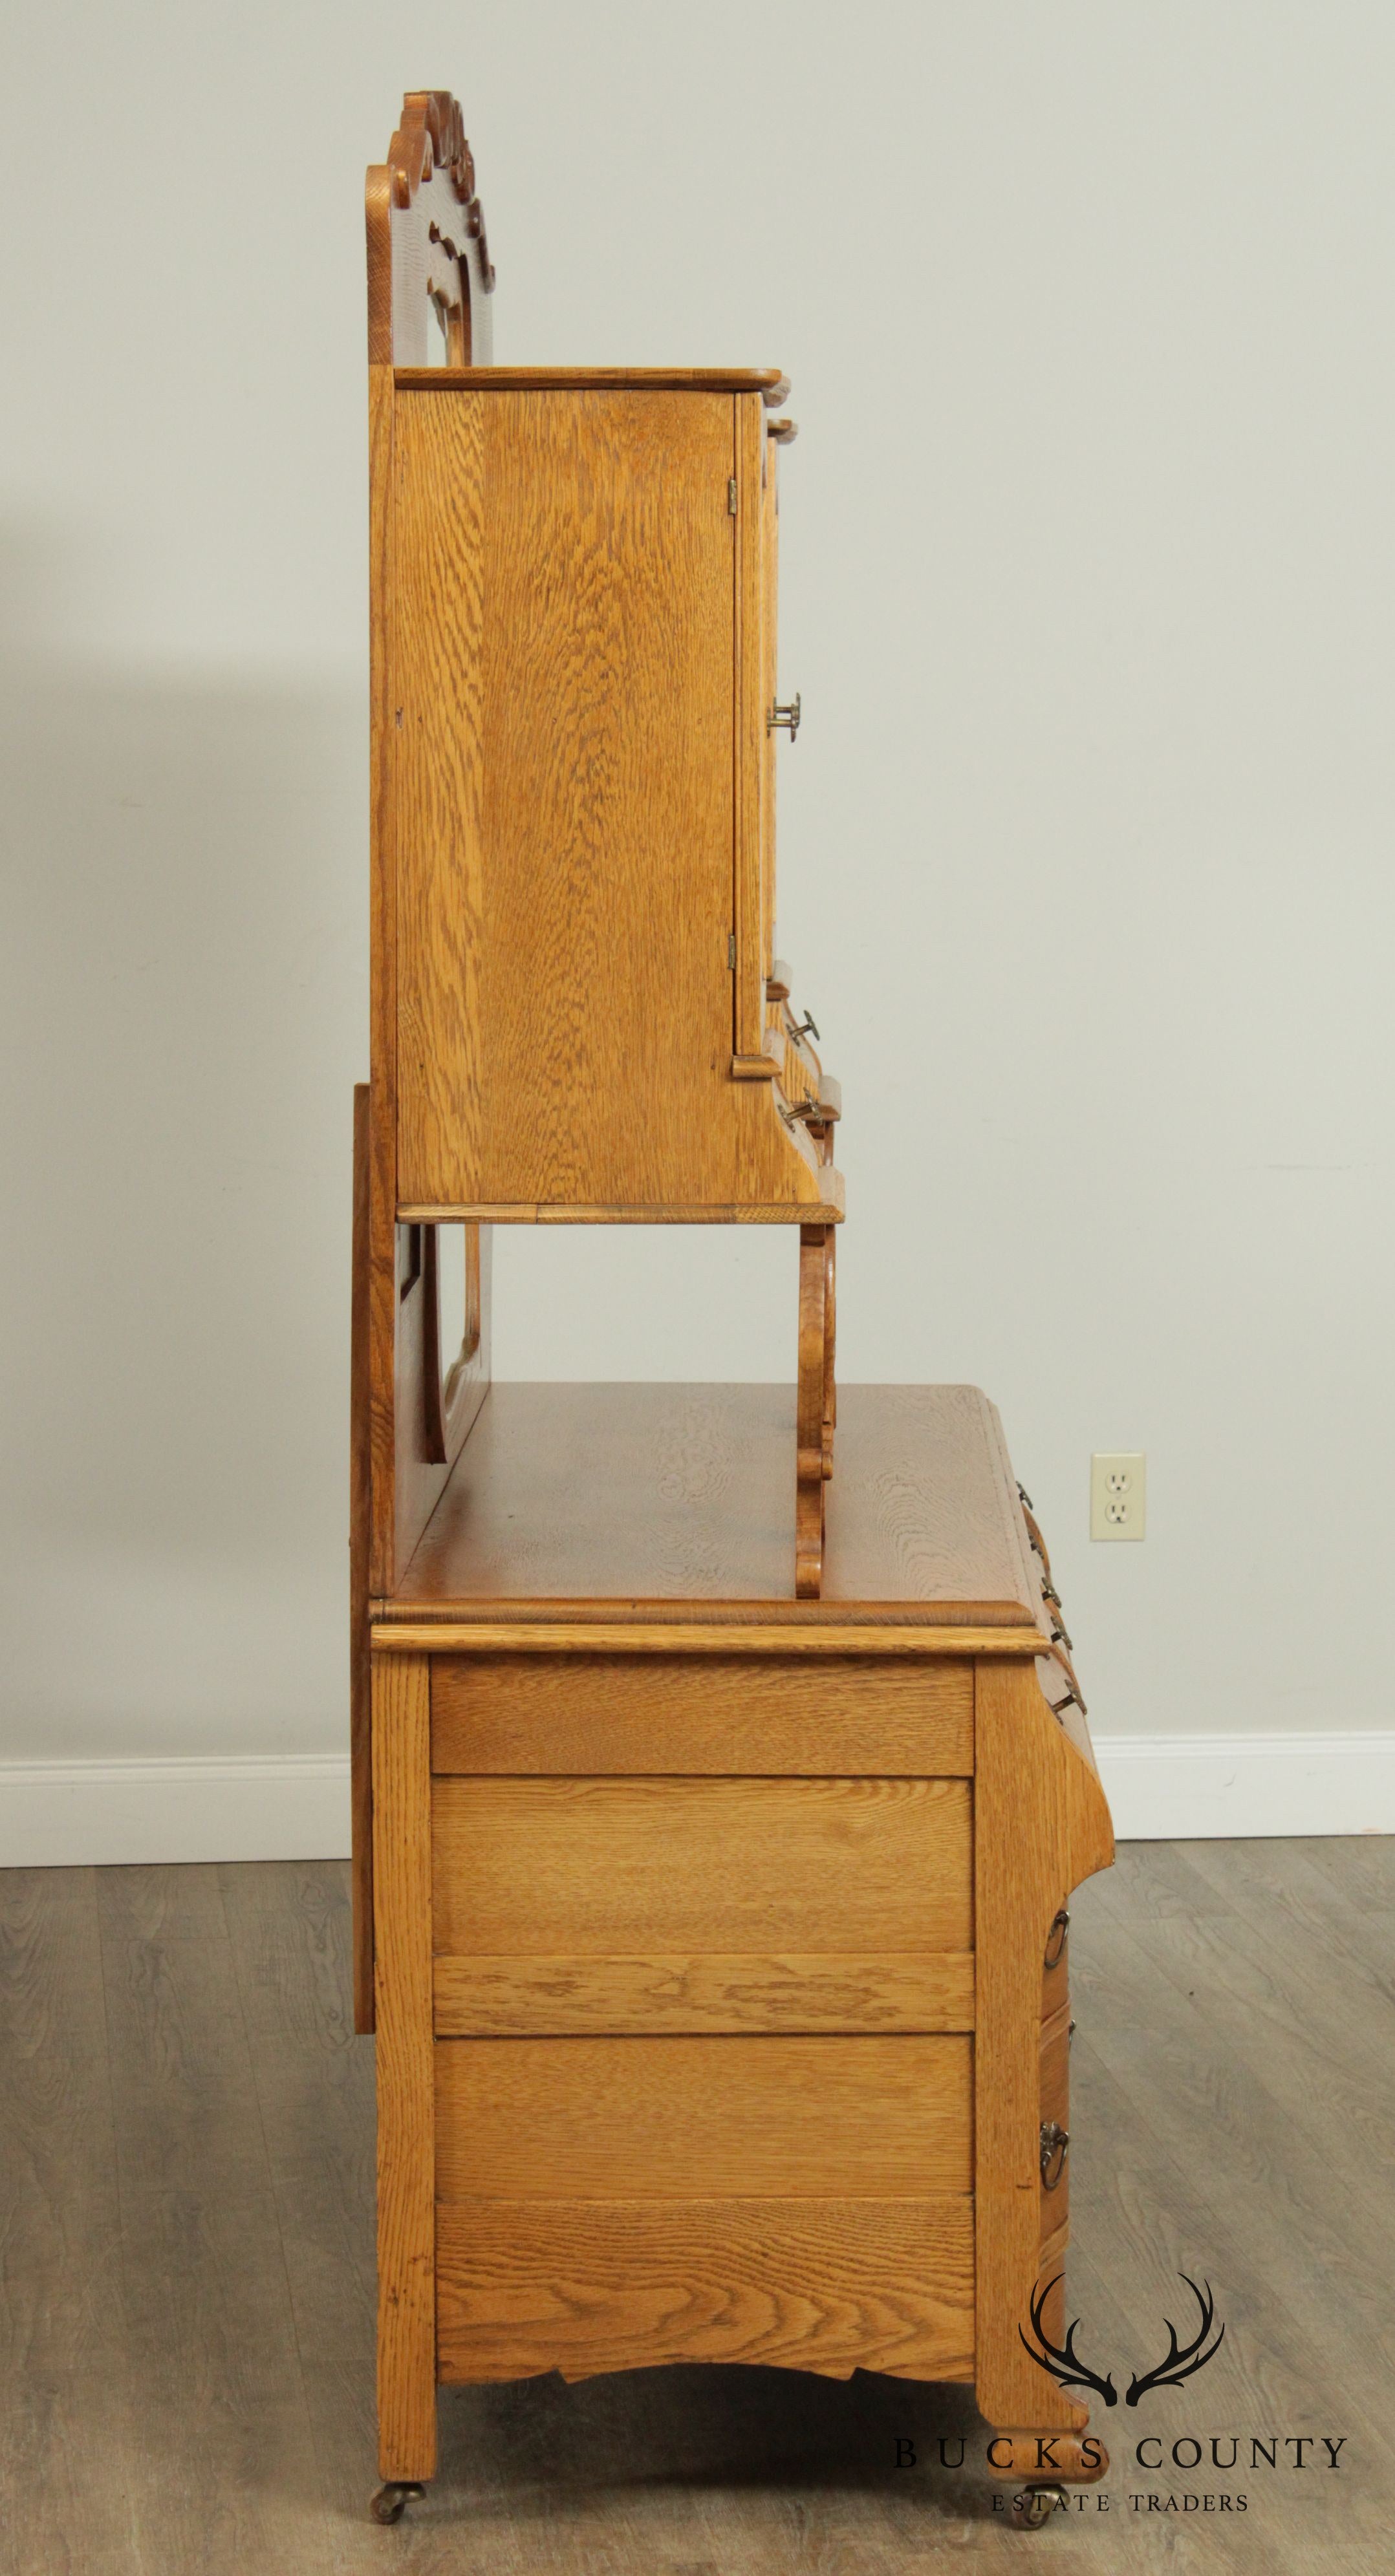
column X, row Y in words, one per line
column 1032, row 2506
column 389, row 2502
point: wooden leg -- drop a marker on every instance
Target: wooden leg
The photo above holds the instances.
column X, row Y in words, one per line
column 812, row 1432
column 406, row 2105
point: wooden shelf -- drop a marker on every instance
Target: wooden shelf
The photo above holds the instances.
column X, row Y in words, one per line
column 625, row 1499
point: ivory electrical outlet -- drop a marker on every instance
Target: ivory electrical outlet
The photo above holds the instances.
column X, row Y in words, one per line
column 1118, row 1493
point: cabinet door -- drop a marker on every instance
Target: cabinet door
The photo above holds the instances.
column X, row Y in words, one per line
column 753, row 903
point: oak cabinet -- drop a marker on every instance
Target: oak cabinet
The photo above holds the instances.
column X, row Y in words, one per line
column 709, row 1892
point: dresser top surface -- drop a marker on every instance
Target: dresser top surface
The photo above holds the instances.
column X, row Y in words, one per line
column 594, row 1493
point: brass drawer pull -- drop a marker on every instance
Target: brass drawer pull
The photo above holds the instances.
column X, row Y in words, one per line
column 1056, row 1938
column 1055, row 2147
column 808, row 1027
column 786, row 716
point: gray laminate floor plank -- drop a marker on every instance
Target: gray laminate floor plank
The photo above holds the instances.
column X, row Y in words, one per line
column 63, row 2398
column 186, row 2217
column 227, row 2474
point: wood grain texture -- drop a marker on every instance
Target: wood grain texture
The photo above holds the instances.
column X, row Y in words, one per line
column 813, row 1427
column 562, row 752
column 830, row 2286
column 749, row 738
column 616, row 1865
column 583, row 1712
column 360, row 1544
column 687, row 1492
column 768, row 382
column 406, row 2184
column 769, row 690
column 436, row 736
column 513, row 1996
column 385, row 1562
column 1040, row 1825
column 695, row 2118
column 407, row 1472
column 824, row 1204
column 531, row 1635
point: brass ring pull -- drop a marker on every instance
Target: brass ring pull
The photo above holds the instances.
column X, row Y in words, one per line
column 1055, row 2147
column 1056, row 1937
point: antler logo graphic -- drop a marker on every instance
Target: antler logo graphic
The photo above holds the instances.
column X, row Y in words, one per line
column 1180, row 2361
column 1062, row 2360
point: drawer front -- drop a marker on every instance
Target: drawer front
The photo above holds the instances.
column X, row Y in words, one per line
column 833, row 2286
column 1055, row 1974
column 1055, row 2106
column 606, row 1867
column 852, row 1714
column 697, row 2118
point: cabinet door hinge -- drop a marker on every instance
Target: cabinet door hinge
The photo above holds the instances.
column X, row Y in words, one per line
column 731, row 952
column 731, row 494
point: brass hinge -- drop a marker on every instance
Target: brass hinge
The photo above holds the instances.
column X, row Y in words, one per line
column 731, row 494
column 731, row 951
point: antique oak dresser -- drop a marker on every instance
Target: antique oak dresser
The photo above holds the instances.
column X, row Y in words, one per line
column 711, row 1850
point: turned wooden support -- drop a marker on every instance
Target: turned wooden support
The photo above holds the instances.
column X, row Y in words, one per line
column 816, row 1405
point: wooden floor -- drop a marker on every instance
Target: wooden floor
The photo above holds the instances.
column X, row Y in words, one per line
column 186, row 2153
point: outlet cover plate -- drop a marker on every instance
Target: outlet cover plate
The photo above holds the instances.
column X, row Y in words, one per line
column 1118, row 1493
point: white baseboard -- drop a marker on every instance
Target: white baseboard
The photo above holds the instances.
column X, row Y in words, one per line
column 272, row 1806
column 295, row 1806
column 1190, row 1788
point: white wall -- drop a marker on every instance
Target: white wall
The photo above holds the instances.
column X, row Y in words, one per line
column 1086, row 840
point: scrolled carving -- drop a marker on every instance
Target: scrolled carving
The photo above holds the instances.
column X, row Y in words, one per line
column 431, row 138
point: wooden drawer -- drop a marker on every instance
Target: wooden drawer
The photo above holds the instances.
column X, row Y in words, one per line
column 854, row 1714
column 833, row 2286
column 1055, row 2105
column 1055, row 1982
column 695, row 2118
column 531, row 1866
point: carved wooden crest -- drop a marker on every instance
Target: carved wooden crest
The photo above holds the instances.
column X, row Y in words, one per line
column 427, row 250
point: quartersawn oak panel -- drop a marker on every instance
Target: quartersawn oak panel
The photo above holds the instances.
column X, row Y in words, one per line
column 551, row 1996
column 682, row 2119
column 687, row 1498
column 848, row 1714
column 832, row 2286
column 621, row 1865
column 597, row 731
